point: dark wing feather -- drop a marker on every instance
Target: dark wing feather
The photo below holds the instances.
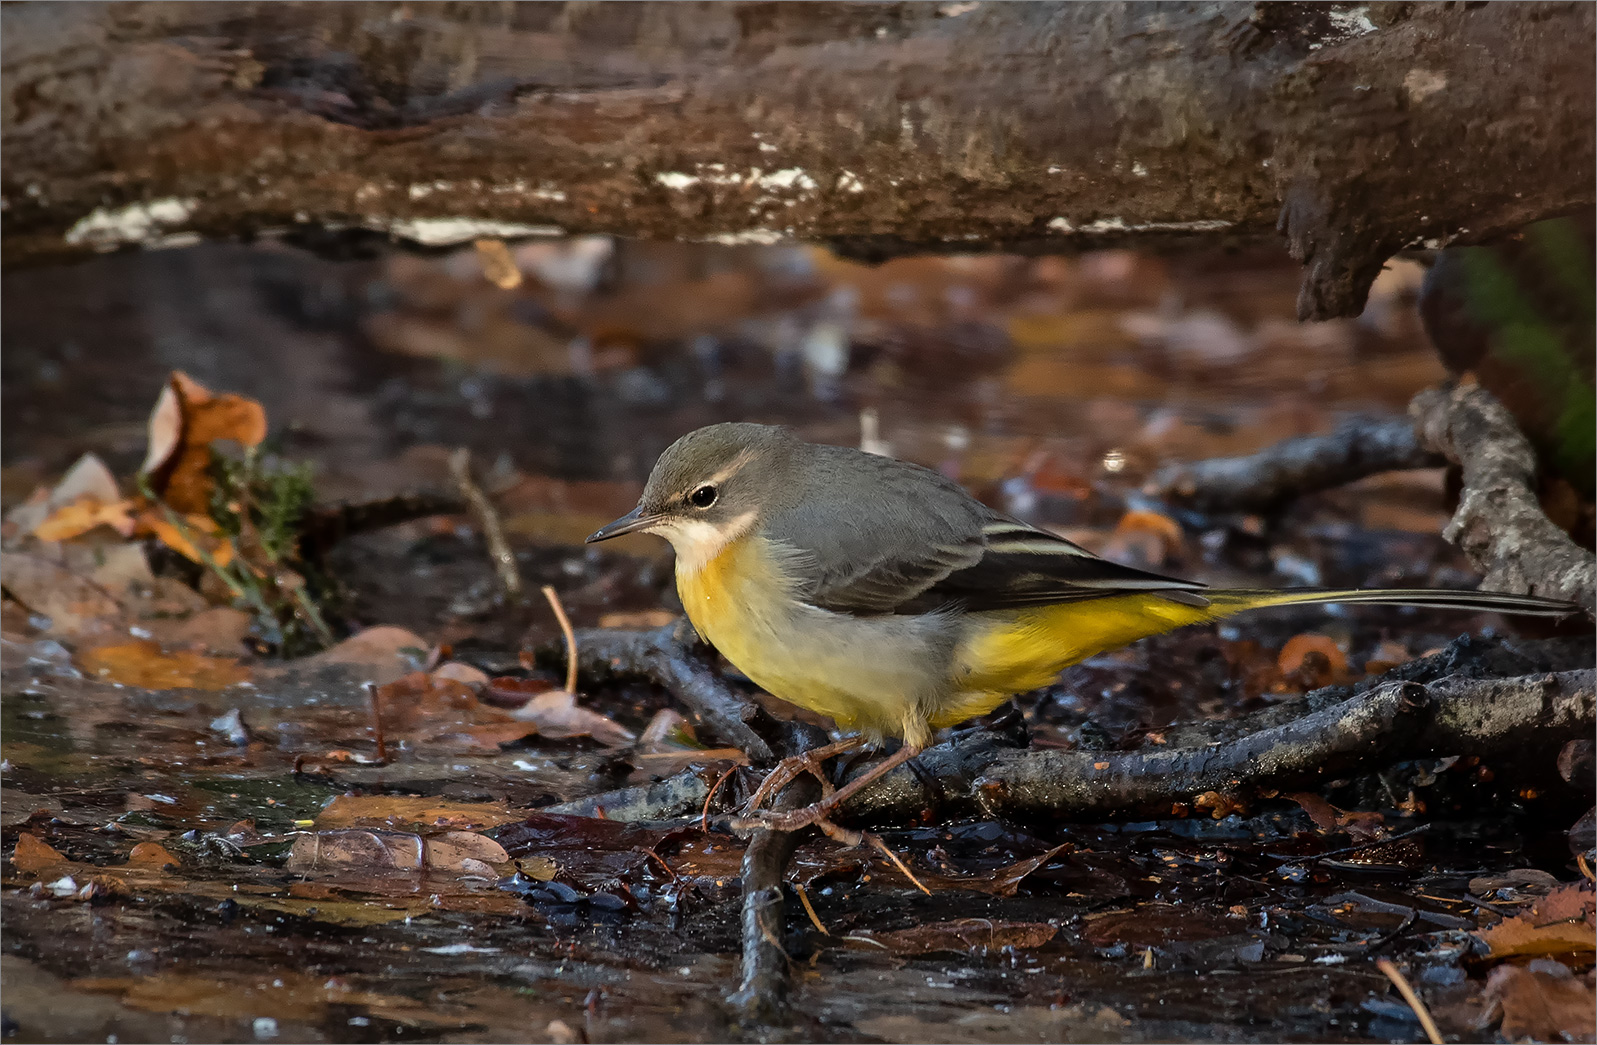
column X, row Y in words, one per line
column 1025, row 566
column 874, row 535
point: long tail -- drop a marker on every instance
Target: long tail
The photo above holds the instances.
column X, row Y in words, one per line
column 1235, row 600
column 1011, row 651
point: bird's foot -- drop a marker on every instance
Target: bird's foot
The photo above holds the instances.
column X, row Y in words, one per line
column 789, row 769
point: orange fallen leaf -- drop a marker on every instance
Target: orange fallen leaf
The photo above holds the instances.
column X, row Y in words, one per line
column 386, row 850
column 144, row 664
column 151, row 854
column 640, row 619
column 83, row 515
column 181, row 539
column 1297, row 658
column 187, row 419
column 32, row 855
column 1564, row 921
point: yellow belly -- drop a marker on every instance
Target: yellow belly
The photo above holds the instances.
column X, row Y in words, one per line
column 882, row 676
column 901, row 676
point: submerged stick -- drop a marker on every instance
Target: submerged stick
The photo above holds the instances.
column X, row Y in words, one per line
column 761, row 998
column 1357, row 449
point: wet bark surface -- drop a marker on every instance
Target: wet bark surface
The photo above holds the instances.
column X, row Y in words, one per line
column 1355, row 131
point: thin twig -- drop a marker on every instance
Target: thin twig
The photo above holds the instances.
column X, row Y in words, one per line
column 377, row 721
column 493, row 532
column 1392, row 973
column 704, row 815
column 876, row 840
column 809, row 909
column 571, row 637
column 1585, row 868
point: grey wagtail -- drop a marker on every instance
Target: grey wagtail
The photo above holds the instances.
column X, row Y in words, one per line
column 883, row 595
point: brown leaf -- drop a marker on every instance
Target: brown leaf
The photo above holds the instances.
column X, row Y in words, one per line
column 32, row 855
column 144, row 664
column 380, row 654
column 1541, row 1004
column 1313, row 661
column 389, row 850
column 193, row 536
column 1323, row 813
column 408, row 810
column 557, row 716
column 76, row 607
column 967, row 934
column 1006, row 880
column 498, row 267
column 151, row 854
column 83, row 515
column 180, row 467
column 640, row 619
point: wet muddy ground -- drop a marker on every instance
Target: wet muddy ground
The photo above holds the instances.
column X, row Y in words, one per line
column 244, row 858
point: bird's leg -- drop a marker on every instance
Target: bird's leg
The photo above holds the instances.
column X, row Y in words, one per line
column 821, row 810
column 789, row 768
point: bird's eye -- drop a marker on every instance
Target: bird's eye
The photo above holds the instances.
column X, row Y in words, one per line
column 704, row 496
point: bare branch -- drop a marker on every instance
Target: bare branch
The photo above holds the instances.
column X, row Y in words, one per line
column 1359, row 448
column 1500, row 524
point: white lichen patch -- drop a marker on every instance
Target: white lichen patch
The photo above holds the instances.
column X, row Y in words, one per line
column 787, row 178
column 1422, row 83
column 676, row 180
column 850, row 182
column 1346, row 24
column 1139, row 170
column 445, row 232
column 762, row 237
column 1104, row 226
column 107, row 228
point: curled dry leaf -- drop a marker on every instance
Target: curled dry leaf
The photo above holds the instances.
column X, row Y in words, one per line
column 187, row 419
column 474, row 678
column 143, row 663
column 498, row 266
column 557, row 716
column 380, row 654
column 1313, row 661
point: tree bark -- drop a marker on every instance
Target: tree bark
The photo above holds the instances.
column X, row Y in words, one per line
column 879, row 128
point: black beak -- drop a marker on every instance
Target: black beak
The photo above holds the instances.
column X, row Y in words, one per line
column 631, row 522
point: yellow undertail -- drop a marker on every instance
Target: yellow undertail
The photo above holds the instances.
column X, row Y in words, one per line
column 1012, row 651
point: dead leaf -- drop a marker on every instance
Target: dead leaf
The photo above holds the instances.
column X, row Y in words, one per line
column 667, row 731
column 180, row 467
column 498, row 267
column 408, row 810
column 642, row 619
column 144, row 664
column 1323, row 813
column 381, row 654
column 1312, row 661
column 965, row 935
column 1542, row 1004
column 81, row 516
column 474, row 678
column 219, row 629
column 557, row 716
column 76, row 607
column 389, row 850
column 32, row 855
column 151, row 854
column 1144, row 538
column 1006, row 880
column 193, row 536
column 1562, row 922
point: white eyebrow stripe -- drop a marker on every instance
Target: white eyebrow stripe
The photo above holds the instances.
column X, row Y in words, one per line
column 730, row 470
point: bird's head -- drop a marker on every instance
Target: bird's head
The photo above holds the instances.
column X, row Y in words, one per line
column 710, row 487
